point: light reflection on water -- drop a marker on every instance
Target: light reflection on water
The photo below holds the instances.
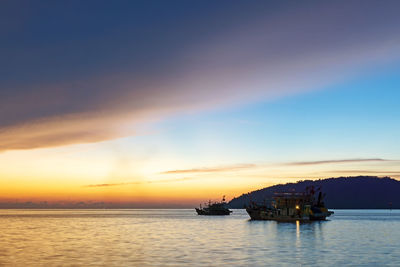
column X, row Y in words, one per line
column 181, row 238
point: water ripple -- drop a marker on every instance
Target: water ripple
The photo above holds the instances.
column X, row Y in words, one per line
column 181, row 238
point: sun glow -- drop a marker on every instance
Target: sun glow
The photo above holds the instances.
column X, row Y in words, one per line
column 90, row 173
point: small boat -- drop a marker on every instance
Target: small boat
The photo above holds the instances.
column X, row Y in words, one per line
column 216, row 208
column 291, row 206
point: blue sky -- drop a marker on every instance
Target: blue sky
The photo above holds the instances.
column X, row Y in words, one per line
column 358, row 118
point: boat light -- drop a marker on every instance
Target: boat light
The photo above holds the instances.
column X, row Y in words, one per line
column 297, row 207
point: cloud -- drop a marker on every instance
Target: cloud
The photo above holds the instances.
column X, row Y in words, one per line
column 110, row 185
column 144, row 182
column 90, row 85
column 383, row 172
column 212, row 169
column 319, row 162
column 247, row 166
column 367, row 172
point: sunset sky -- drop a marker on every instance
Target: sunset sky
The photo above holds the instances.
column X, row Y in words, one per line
column 172, row 103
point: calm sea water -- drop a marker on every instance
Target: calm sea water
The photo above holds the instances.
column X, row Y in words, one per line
column 182, row 238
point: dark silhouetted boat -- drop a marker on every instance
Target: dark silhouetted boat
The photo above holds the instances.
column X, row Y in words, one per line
column 291, row 206
column 216, row 208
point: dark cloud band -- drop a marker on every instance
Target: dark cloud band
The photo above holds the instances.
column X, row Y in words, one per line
column 71, row 78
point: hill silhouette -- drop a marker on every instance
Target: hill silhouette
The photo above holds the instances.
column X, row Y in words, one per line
column 361, row 192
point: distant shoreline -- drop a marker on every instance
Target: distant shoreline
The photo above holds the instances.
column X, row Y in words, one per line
column 166, row 209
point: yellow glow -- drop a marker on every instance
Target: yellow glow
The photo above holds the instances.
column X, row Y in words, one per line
column 105, row 172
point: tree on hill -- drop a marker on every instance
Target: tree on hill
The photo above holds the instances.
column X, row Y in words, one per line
column 361, row 192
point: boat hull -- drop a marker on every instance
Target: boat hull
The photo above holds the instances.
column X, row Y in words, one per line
column 254, row 214
column 213, row 212
column 257, row 214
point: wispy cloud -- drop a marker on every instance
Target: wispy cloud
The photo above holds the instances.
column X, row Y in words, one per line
column 142, row 182
column 111, row 185
column 337, row 161
column 248, row 166
column 383, row 172
column 227, row 168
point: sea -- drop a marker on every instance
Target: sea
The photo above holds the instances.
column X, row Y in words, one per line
column 180, row 237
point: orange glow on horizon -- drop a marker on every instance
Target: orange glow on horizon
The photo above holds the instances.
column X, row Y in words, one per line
column 84, row 173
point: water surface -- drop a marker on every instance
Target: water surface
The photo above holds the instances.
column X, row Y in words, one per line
column 182, row 238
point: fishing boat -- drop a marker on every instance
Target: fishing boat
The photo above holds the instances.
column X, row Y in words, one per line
column 214, row 208
column 292, row 206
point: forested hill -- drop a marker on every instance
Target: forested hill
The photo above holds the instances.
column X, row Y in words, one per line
column 361, row 192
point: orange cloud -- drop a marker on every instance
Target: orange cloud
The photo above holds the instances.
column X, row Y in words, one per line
column 334, row 161
column 146, row 182
column 212, row 169
column 244, row 166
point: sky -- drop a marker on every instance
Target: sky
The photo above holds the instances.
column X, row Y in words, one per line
column 172, row 103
